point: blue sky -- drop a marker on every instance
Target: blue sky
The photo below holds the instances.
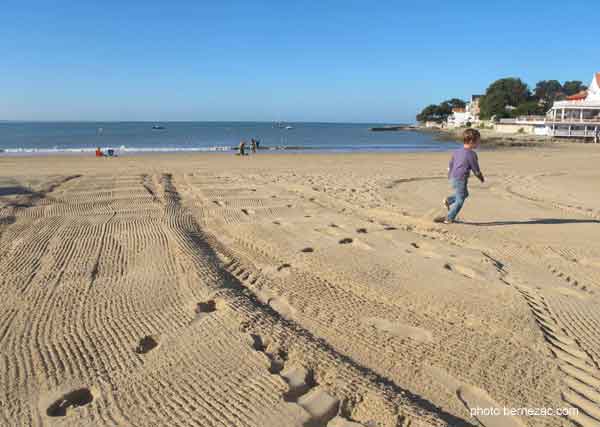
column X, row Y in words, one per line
column 271, row 60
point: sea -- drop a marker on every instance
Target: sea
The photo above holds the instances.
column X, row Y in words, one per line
column 46, row 138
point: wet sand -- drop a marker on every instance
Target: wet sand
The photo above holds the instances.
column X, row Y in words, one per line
column 298, row 290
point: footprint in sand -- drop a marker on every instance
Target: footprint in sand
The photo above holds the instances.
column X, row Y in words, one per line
column 321, row 406
column 73, row 399
column 146, row 344
column 276, row 358
column 355, row 243
column 465, row 271
column 282, row 270
column 299, row 380
column 206, row 307
column 259, row 343
column 476, row 400
column 316, row 407
column 399, row 329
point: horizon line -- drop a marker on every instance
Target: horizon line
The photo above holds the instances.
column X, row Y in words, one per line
column 205, row 121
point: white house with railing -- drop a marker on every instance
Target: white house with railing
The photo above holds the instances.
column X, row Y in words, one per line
column 578, row 116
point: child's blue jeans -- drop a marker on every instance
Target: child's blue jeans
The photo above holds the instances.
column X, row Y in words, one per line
column 456, row 201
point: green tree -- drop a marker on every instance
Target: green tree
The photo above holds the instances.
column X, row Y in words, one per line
column 440, row 113
column 572, row 87
column 444, row 110
column 502, row 93
column 429, row 114
column 529, row 108
column 548, row 91
column 454, row 103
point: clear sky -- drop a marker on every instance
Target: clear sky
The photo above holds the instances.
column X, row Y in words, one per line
column 315, row 60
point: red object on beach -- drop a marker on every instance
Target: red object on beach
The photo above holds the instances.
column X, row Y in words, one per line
column 99, row 152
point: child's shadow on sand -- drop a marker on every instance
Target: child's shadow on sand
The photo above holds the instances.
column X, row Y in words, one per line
column 546, row 221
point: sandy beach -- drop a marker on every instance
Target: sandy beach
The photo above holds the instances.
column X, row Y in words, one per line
column 299, row 290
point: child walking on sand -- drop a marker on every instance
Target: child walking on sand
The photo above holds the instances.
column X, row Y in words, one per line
column 464, row 160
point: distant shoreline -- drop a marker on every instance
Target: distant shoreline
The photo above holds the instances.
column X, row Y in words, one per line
column 491, row 139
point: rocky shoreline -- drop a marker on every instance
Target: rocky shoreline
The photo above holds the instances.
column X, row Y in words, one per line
column 493, row 139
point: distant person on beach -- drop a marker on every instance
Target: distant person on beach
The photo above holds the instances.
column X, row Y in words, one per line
column 242, row 148
column 597, row 136
column 99, row 152
column 258, row 144
column 253, row 142
column 464, row 160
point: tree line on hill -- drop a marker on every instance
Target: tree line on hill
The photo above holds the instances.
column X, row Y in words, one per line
column 508, row 97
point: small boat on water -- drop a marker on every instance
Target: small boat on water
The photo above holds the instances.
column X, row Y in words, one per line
column 282, row 125
column 157, row 127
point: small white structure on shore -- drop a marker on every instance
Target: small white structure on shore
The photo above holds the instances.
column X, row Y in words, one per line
column 459, row 117
column 464, row 116
column 578, row 116
column 529, row 125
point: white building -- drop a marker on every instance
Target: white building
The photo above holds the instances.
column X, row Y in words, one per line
column 578, row 116
column 459, row 117
column 469, row 114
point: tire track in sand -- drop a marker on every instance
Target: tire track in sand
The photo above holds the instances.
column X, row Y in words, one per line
column 582, row 376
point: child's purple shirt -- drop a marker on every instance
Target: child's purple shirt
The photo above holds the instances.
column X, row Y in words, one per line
column 463, row 161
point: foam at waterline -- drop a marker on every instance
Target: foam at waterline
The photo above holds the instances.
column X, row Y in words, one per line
column 122, row 149
column 125, row 149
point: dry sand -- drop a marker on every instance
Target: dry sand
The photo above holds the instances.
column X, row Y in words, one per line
column 298, row 290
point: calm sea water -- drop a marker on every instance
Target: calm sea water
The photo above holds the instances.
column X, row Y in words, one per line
column 124, row 137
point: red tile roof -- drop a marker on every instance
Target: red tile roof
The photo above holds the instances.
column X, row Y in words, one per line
column 579, row 96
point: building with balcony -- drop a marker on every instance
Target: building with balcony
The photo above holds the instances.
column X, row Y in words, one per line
column 578, row 116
